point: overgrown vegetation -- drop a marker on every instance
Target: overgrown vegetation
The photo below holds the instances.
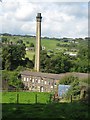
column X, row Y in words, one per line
column 78, row 87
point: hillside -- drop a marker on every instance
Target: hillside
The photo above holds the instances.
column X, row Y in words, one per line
column 51, row 45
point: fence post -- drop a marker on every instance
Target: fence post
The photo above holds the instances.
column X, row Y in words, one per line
column 50, row 99
column 17, row 98
column 36, row 98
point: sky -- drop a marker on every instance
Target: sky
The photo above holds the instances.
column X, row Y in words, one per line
column 59, row 19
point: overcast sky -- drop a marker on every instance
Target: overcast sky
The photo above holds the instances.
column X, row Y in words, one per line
column 59, row 19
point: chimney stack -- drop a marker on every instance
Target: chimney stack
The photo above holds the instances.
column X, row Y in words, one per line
column 38, row 42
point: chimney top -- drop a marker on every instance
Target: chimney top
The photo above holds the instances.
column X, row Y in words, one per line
column 39, row 15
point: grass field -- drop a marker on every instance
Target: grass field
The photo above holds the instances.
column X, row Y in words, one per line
column 25, row 97
column 48, row 43
column 27, row 108
column 30, row 54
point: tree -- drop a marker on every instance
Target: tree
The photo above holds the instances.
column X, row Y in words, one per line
column 75, row 88
column 67, row 80
column 43, row 60
column 12, row 79
column 82, row 62
column 31, row 45
column 59, row 63
column 12, row 56
column 29, row 63
column 20, row 41
column 27, row 42
column 4, row 40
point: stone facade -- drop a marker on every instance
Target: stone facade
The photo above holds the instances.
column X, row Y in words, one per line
column 44, row 82
column 39, row 82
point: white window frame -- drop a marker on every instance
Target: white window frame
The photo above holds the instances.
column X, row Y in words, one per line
column 33, row 80
column 45, row 82
column 27, row 79
column 24, row 79
column 51, row 86
column 38, row 80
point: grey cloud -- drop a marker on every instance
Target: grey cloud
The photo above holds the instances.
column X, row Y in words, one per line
column 59, row 20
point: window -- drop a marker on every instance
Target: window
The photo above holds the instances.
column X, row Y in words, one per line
column 27, row 79
column 39, row 81
column 45, row 82
column 32, row 80
column 36, row 80
column 41, row 89
column 42, row 81
column 51, row 86
column 24, row 78
column 49, row 83
column 38, row 88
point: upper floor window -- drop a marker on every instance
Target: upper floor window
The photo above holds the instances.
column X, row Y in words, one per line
column 49, row 83
column 33, row 80
column 51, row 86
column 27, row 79
column 42, row 81
column 24, row 78
column 45, row 82
column 39, row 81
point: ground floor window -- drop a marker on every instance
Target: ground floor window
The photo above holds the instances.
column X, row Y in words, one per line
column 41, row 89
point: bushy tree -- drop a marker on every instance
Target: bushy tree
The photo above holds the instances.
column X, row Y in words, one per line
column 58, row 63
column 12, row 78
column 67, row 80
column 75, row 88
column 4, row 40
column 29, row 63
column 20, row 41
column 12, row 55
column 31, row 45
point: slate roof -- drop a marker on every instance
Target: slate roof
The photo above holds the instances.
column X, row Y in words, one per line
column 53, row 76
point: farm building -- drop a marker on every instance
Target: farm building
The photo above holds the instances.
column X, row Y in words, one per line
column 44, row 82
column 30, row 48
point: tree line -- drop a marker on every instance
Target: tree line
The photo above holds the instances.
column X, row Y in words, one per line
column 13, row 55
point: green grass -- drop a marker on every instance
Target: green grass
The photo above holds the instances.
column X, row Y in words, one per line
column 49, row 44
column 63, row 111
column 27, row 107
column 25, row 97
column 30, row 54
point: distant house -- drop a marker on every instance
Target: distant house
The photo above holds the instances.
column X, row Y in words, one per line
column 44, row 82
column 71, row 54
column 30, row 48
